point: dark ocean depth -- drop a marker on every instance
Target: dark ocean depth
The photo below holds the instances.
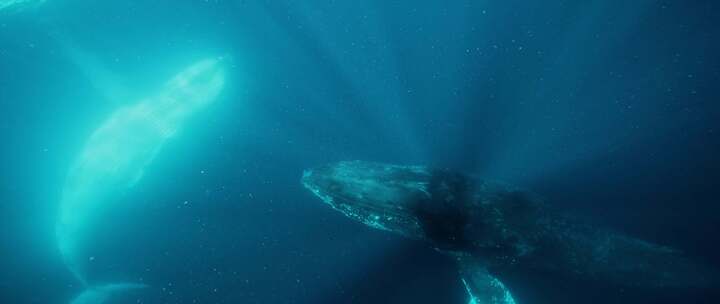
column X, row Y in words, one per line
column 606, row 109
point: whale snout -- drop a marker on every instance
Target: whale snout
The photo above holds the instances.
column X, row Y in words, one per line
column 199, row 84
column 375, row 194
column 319, row 182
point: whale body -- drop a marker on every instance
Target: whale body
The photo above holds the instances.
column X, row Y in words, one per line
column 490, row 228
column 114, row 159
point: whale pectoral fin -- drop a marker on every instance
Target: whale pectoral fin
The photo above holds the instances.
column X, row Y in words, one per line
column 483, row 287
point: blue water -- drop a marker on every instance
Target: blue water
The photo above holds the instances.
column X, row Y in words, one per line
column 608, row 109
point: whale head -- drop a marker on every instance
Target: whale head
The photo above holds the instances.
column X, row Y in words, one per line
column 413, row 201
column 185, row 94
column 196, row 86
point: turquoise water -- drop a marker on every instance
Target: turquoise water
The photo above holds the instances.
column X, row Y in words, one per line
column 607, row 109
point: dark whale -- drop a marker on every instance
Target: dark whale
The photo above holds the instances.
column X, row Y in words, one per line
column 491, row 228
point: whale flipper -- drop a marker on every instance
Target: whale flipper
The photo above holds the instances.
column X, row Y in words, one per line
column 481, row 285
column 100, row 294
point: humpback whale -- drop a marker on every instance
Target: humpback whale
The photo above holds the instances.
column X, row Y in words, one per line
column 114, row 159
column 490, row 228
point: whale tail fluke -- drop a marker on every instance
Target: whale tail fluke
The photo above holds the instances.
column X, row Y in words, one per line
column 100, row 294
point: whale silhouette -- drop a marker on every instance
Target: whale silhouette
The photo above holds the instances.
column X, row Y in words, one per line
column 114, row 158
column 490, row 228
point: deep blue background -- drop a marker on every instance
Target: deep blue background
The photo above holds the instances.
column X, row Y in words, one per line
column 608, row 109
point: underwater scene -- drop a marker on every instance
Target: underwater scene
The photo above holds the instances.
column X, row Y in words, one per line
column 326, row 151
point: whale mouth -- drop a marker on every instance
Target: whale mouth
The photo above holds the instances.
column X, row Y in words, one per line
column 310, row 181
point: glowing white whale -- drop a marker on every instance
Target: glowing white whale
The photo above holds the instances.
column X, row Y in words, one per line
column 115, row 157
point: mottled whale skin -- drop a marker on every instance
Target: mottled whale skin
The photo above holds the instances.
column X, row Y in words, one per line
column 490, row 228
column 114, row 159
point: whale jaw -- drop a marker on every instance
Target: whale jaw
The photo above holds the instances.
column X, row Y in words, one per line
column 372, row 193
